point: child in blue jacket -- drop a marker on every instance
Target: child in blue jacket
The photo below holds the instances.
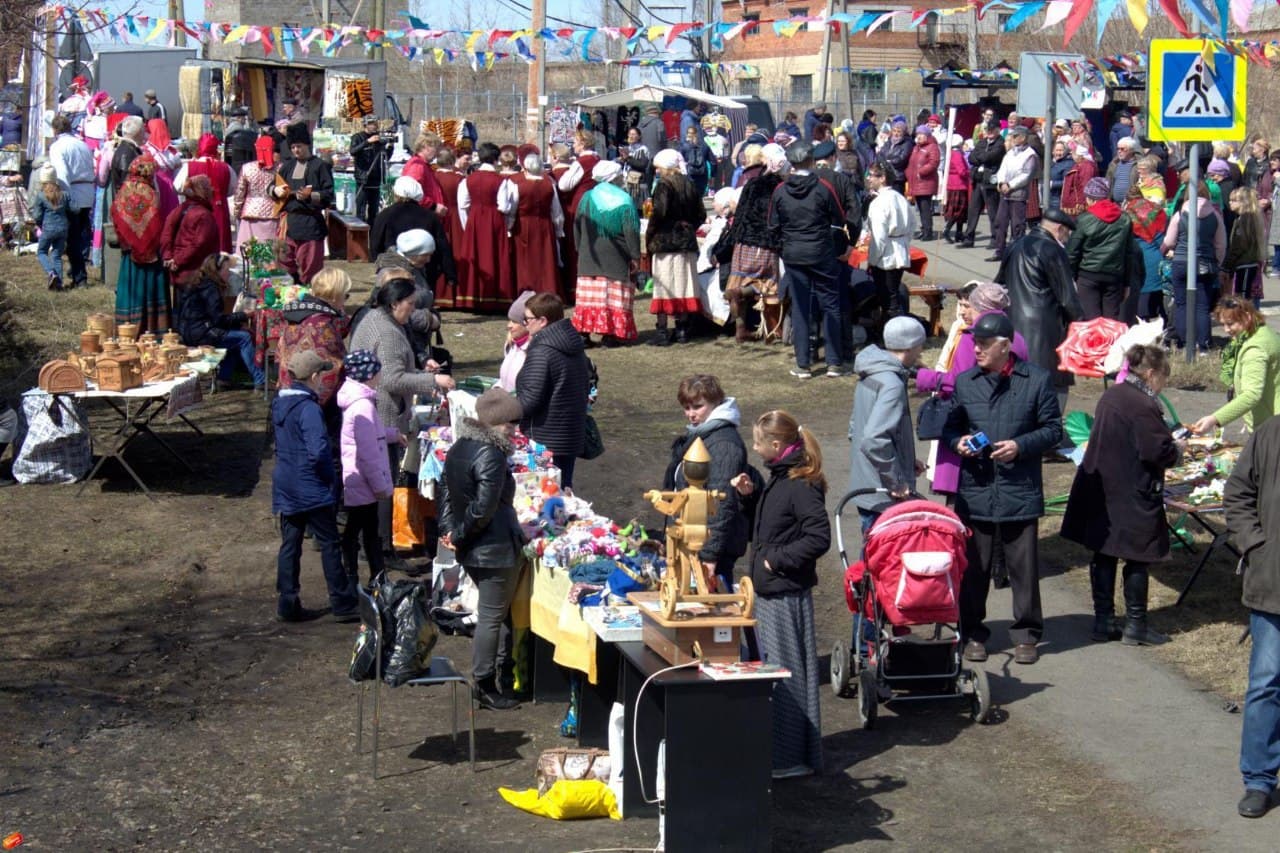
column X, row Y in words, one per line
column 49, row 211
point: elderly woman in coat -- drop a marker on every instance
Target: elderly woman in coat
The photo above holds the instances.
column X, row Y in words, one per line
column 672, row 242
column 1116, row 506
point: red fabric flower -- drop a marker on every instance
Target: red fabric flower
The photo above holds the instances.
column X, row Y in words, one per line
column 1087, row 344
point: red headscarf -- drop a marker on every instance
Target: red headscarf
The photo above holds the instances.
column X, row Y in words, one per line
column 265, row 148
column 135, row 212
column 207, row 146
column 158, row 131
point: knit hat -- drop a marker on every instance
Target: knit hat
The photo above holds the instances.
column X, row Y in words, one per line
column 361, row 365
column 297, row 134
column 605, row 171
column 989, row 296
column 516, row 312
column 306, row 363
column 903, row 333
column 496, row 407
column 415, row 242
column 1062, row 122
column 407, row 188
column 923, row 128
column 1218, row 166
column 1097, row 188
column 935, row 119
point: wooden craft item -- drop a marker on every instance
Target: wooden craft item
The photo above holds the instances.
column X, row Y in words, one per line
column 127, row 331
column 61, row 377
column 90, row 343
column 685, row 639
column 103, row 324
column 172, row 357
column 172, row 339
column 119, row 372
column 154, row 372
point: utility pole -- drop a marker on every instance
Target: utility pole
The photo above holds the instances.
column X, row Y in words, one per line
column 379, row 23
column 537, row 90
column 178, row 13
column 845, row 63
column 824, row 57
column 973, row 39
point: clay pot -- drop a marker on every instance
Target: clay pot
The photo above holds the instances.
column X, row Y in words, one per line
column 90, row 343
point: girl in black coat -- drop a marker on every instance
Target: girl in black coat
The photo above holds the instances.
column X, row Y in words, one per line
column 791, row 532
column 1116, row 506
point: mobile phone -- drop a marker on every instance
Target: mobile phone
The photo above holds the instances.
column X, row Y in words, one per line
column 977, row 443
column 1181, row 432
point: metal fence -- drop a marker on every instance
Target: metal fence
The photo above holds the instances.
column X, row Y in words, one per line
column 838, row 104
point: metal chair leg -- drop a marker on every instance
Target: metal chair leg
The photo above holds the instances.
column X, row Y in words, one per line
column 454, row 689
column 359, row 717
column 471, row 719
column 377, row 720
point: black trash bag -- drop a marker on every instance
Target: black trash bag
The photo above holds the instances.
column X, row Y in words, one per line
column 404, row 604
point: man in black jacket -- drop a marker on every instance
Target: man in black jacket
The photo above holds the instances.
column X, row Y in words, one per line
column 554, row 383
column 806, row 212
column 1252, row 501
column 369, row 151
column 984, row 160
column 1011, row 405
column 849, row 191
column 238, row 144
column 309, row 193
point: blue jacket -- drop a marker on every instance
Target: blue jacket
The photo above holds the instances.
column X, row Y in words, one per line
column 53, row 221
column 304, row 478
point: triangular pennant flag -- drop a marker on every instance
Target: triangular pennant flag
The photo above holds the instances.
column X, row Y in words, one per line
column 1138, row 14
column 1057, row 13
column 1224, row 16
column 880, row 22
column 1080, row 10
column 1106, row 8
column 1171, row 10
column 1020, row 17
column 416, row 23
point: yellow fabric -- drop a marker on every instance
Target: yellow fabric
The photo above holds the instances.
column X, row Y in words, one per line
column 560, row 623
column 258, row 95
column 520, row 603
column 567, row 800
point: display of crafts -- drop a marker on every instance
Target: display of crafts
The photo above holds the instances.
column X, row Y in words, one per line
column 1204, row 475
column 278, row 291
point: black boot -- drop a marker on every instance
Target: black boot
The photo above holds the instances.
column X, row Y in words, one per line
column 486, row 693
column 1102, row 580
column 946, row 234
column 1136, row 632
column 682, row 329
column 663, row 337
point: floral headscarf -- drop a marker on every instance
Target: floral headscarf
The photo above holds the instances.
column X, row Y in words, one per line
column 135, row 212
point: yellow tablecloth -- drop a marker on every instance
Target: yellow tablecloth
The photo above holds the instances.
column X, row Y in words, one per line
column 560, row 623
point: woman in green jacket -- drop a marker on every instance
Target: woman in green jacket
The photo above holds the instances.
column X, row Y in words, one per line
column 1255, row 377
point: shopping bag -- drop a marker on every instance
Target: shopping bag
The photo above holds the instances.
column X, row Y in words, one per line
column 593, row 445
column 410, row 512
column 932, row 417
column 415, row 633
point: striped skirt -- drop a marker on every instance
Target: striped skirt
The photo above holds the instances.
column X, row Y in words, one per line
column 785, row 632
column 957, row 206
column 754, row 268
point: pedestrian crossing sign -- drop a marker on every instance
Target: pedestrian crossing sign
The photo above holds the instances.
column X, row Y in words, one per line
column 1195, row 92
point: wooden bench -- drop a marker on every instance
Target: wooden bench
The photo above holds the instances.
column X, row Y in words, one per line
column 348, row 238
column 932, row 295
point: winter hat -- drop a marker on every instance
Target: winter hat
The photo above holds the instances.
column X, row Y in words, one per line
column 496, row 407
column 993, row 325
column 415, row 242
column 1218, row 166
column 1097, row 188
column 48, row 174
column 297, row 134
column 361, row 365
column 903, row 333
column 407, row 188
column 824, row 149
column 989, row 296
column 935, row 119
column 1062, row 122
column 956, row 140
column 306, row 363
column 605, row 171
column 925, row 129
column 516, row 312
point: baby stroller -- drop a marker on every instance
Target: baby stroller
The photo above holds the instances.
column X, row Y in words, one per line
column 905, row 602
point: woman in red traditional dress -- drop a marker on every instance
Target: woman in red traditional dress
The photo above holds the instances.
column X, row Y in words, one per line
column 539, row 224
column 449, row 180
column 575, row 182
column 484, row 238
column 160, row 147
column 206, row 162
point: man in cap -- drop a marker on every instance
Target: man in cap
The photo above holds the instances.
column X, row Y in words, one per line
column 653, row 134
column 309, row 192
column 240, row 139
column 882, row 438
column 304, row 493
column 1013, row 181
column 154, row 108
column 369, row 153
column 1100, row 249
column 805, row 211
column 984, row 162
column 1122, row 128
column 1005, row 417
column 1042, row 294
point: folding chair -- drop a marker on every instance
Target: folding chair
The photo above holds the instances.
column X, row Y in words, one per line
column 442, row 671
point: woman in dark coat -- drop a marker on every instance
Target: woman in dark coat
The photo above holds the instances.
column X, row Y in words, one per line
column 791, row 532
column 753, row 271
column 1116, row 506
column 190, row 233
column 201, row 321
column 478, row 521
column 714, row 418
column 672, row 243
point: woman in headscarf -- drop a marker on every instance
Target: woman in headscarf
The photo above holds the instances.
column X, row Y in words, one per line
column 141, row 294
column 167, row 159
column 1145, row 206
column 753, row 272
column 607, row 233
column 1085, row 170
column 573, row 184
column 190, row 233
column 221, row 178
column 536, row 224
column 254, row 206
column 672, row 243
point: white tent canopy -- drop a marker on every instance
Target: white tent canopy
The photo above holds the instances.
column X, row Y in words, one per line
column 653, row 93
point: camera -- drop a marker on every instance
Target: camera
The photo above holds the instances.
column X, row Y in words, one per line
column 978, row 443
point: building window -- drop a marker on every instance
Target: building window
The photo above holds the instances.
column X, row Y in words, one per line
column 898, row 24
column 749, row 86
column 868, row 87
column 802, row 87
column 1002, row 18
column 751, row 32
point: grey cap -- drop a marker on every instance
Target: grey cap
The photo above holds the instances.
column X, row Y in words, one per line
column 150, row 93
column 799, row 153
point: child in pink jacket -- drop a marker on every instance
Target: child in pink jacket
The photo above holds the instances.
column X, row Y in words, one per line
column 366, row 467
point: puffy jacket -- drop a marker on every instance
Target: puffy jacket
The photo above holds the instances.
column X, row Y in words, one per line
column 1101, row 242
column 790, row 531
column 304, row 477
column 882, row 452
column 958, row 173
column 727, row 530
column 199, row 318
column 677, row 212
column 889, row 221
column 1021, row 406
column 552, row 388
column 1256, row 380
column 896, row 153
column 477, row 498
column 922, row 168
column 802, row 214
column 366, row 469
column 1252, row 501
column 1042, row 296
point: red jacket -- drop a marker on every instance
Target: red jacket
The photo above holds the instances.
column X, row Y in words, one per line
column 190, row 236
column 922, row 168
column 1073, row 202
column 958, row 176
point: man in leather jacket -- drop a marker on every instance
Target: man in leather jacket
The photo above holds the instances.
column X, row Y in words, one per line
column 1042, row 295
column 984, row 160
column 368, row 150
column 240, row 138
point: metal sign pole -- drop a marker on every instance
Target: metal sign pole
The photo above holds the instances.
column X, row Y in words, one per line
column 1193, row 264
column 1046, row 167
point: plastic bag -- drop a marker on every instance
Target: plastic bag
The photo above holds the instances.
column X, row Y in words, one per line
column 593, row 445
column 567, row 800
column 567, row 763
column 408, row 630
column 408, row 517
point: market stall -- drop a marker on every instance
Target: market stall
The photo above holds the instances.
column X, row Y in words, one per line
column 653, row 93
column 1193, row 492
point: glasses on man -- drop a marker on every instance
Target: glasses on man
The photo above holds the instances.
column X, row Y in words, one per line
column 528, row 318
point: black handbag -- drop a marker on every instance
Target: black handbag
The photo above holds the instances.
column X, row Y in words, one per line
column 593, row 446
column 932, row 417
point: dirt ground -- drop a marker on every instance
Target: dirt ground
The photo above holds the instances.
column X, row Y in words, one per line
column 151, row 702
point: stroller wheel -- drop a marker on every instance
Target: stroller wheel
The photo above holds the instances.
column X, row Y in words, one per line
column 840, row 668
column 868, row 698
column 980, row 698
